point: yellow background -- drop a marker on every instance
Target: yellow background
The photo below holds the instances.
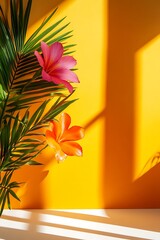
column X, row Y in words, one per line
column 118, row 54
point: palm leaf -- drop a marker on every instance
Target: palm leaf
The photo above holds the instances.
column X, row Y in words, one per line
column 7, row 187
column 23, row 63
column 21, row 86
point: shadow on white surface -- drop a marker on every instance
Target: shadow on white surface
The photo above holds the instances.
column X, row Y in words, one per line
column 80, row 224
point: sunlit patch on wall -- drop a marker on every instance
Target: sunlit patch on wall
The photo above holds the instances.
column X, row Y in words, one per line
column 147, row 107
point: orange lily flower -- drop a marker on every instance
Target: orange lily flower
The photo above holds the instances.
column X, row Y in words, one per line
column 62, row 138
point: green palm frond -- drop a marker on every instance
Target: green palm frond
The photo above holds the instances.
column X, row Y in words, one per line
column 21, row 86
column 7, row 187
column 23, row 62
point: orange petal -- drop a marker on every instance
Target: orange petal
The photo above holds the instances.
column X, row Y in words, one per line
column 64, row 122
column 72, row 134
column 60, row 155
column 71, row 148
column 56, row 129
column 50, row 136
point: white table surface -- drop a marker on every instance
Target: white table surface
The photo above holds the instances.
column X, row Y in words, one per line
column 84, row 224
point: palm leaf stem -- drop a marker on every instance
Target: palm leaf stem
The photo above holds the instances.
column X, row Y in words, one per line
column 9, row 90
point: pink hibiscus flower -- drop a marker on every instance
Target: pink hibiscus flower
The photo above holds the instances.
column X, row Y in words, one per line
column 61, row 137
column 56, row 67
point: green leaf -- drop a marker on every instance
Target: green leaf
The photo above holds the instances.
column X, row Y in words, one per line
column 8, row 200
column 14, row 194
column 3, row 201
column 36, row 116
column 32, row 162
column 3, row 94
column 26, row 18
column 54, row 111
column 6, row 189
column 21, row 86
column 38, row 30
column 5, row 138
column 14, row 129
column 14, row 20
column 34, row 46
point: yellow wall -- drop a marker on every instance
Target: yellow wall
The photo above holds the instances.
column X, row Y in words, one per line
column 133, row 113
column 118, row 53
column 76, row 183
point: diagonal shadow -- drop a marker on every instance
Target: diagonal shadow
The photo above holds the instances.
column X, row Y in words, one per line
column 131, row 25
column 42, row 9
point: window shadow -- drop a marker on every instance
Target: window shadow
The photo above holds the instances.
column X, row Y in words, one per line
column 38, row 7
column 131, row 25
column 42, row 9
column 79, row 224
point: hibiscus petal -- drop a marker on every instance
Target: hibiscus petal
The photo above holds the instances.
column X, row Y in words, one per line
column 71, row 148
column 65, row 83
column 56, row 52
column 46, row 76
column 46, row 53
column 72, row 134
column 39, row 58
column 67, row 62
column 65, row 74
